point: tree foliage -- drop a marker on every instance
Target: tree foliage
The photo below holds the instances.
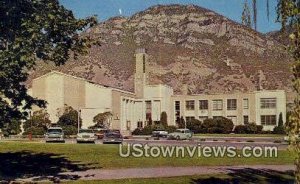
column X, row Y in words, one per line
column 164, row 118
column 31, row 31
column 103, row 120
column 38, row 121
column 288, row 14
column 246, row 15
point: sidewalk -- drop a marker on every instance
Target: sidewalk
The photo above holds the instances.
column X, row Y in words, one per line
column 106, row 174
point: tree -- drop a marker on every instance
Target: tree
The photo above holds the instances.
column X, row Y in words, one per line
column 181, row 123
column 246, row 15
column 164, row 119
column 38, row 122
column 254, row 14
column 33, row 31
column 69, row 121
column 288, row 15
column 103, row 120
column 279, row 129
column 12, row 128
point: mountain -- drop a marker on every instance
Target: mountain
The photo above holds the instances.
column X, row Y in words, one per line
column 188, row 45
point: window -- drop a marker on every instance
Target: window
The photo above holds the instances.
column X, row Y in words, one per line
column 144, row 63
column 217, row 105
column 177, row 105
column 268, row 103
column 245, row 103
column 140, row 124
column 203, row 104
column 189, row 118
column 231, row 104
column 246, row 120
column 190, row 105
column 148, row 111
column 268, row 120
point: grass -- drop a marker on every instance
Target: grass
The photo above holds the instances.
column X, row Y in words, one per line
column 257, row 177
column 239, row 135
column 107, row 156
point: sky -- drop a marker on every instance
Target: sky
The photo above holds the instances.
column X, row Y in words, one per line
column 105, row 9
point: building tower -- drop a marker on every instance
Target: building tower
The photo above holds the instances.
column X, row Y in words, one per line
column 141, row 73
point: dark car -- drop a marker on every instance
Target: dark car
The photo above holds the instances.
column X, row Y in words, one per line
column 112, row 138
column 99, row 133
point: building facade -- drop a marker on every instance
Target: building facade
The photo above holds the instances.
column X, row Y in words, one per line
column 136, row 110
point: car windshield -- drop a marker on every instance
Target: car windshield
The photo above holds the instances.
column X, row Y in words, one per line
column 55, row 131
column 86, row 131
column 178, row 131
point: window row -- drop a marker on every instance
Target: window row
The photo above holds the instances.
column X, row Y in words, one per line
column 216, row 104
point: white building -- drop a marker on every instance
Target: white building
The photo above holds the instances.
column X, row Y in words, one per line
column 132, row 110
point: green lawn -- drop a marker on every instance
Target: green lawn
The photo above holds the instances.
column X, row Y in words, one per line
column 107, row 156
column 239, row 135
column 256, row 177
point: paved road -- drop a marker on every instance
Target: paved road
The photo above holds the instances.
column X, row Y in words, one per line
column 220, row 142
column 104, row 174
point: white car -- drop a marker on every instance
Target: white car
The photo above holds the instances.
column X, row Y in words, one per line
column 86, row 135
column 54, row 134
column 159, row 133
column 181, row 134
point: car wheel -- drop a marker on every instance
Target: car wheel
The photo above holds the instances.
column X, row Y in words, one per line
column 177, row 138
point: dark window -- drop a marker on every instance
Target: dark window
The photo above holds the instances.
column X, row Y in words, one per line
column 268, row 120
column 203, row 104
column 246, row 120
column 190, row 105
column 144, row 63
column 177, row 105
column 231, row 104
column 140, row 124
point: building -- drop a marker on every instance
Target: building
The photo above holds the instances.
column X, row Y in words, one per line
column 132, row 110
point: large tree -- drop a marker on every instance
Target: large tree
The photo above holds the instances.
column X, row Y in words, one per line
column 289, row 15
column 33, row 31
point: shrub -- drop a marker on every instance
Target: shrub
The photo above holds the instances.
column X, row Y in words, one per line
column 218, row 125
column 171, row 129
column 250, row 128
column 195, row 126
column 240, row 129
column 34, row 131
column 70, row 130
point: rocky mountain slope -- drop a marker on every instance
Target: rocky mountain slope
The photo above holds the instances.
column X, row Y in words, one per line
column 188, row 45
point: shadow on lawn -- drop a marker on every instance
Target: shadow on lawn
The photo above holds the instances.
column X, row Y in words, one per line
column 249, row 175
column 39, row 166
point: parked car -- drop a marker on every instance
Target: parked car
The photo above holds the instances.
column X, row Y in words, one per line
column 159, row 133
column 181, row 134
column 100, row 132
column 86, row 135
column 112, row 138
column 54, row 134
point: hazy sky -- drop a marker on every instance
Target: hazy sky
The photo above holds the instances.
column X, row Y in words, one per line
column 232, row 9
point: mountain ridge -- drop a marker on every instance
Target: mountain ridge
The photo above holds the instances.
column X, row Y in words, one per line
column 188, row 45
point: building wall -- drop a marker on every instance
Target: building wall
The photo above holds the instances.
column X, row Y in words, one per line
column 253, row 111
